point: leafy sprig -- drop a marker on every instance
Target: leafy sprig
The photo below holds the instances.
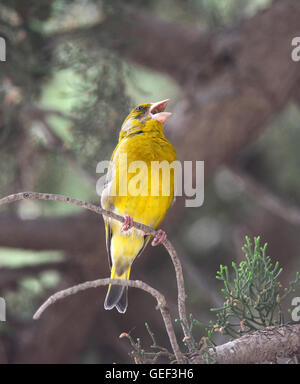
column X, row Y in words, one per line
column 253, row 297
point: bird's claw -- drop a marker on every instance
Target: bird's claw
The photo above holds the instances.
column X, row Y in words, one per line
column 159, row 238
column 128, row 223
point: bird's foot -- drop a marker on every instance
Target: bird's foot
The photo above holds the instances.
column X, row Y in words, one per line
column 128, row 223
column 159, row 238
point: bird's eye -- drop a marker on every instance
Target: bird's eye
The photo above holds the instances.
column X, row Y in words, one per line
column 140, row 108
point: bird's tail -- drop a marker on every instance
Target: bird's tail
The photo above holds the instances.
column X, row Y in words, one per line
column 116, row 294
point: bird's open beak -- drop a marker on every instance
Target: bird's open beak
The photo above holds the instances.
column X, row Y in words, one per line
column 157, row 111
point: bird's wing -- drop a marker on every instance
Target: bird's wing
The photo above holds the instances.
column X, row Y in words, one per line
column 146, row 241
column 108, row 235
column 107, row 203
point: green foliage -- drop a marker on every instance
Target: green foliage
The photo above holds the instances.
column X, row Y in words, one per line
column 205, row 348
column 253, row 299
column 254, row 296
column 102, row 105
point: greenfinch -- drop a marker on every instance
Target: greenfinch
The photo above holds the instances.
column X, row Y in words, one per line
column 130, row 193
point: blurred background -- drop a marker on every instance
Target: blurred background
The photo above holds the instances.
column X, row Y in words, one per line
column 73, row 70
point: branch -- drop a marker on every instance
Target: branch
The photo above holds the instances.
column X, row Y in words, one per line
column 79, row 203
column 161, row 302
column 227, row 76
column 146, row 229
column 228, row 110
column 266, row 198
column 138, row 35
column 265, row 345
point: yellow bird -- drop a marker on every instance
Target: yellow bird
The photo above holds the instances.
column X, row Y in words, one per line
column 137, row 191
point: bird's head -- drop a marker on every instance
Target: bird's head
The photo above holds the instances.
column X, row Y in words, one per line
column 145, row 117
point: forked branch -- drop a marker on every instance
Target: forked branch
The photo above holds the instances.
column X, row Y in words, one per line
column 161, row 303
column 100, row 211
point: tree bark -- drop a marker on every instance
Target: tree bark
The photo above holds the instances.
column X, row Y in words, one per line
column 266, row 345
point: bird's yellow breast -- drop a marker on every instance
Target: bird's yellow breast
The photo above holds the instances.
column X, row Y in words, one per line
column 137, row 187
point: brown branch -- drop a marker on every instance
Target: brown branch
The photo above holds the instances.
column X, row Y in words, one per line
column 88, row 263
column 181, row 292
column 229, row 109
column 266, row 198
column 266, row 345
column 234, row 85
column 70, row 200
column 98, row 210
column 139, row 36
column 161, row 302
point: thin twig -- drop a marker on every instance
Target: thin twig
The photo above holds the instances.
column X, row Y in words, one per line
column 100, row 211
column 70, row 200
column 161, row 301
column 181, row 292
